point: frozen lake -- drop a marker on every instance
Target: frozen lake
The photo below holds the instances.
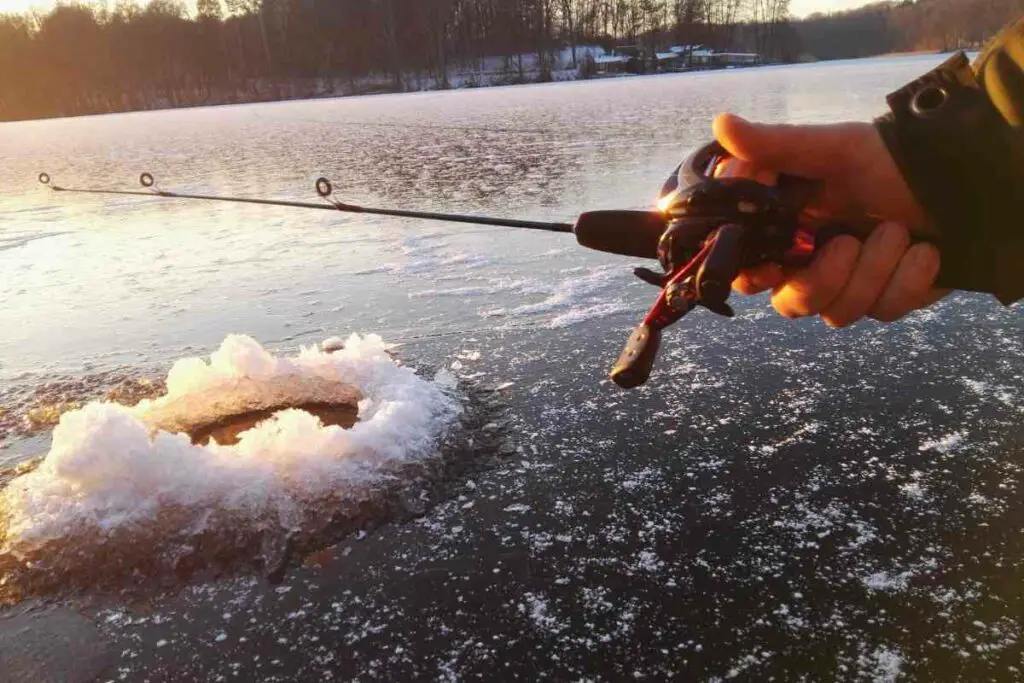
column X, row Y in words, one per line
column 782, row 500
column 98, row 282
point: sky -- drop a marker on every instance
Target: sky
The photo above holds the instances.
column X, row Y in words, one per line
column 801, row 8
column 19, row 6
column 798, row 8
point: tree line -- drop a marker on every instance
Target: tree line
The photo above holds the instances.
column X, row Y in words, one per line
column 81, row 59
column 884, row 27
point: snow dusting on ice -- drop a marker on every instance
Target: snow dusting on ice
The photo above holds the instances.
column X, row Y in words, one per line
column 884, row 665
column 945, row 444
column 580, row 295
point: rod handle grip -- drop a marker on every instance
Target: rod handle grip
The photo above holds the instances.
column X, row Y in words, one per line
column 628, row 233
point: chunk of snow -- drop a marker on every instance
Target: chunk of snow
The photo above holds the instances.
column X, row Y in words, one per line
column 105, row 468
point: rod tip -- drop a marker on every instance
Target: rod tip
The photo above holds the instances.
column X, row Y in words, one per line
column 146, row 180
column 44, row 178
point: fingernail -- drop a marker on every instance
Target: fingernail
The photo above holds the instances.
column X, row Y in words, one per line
column 841, row 243
column 893, row 235
column 886, row 231
column 924, row 255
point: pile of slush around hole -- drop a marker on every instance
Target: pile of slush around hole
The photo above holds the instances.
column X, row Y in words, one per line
column 148, row 490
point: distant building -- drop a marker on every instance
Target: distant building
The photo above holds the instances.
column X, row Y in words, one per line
column 629, row 51
column 622, row 59
column 702, row 55
column 612, row 63
column 735, row 58
column 696, row 55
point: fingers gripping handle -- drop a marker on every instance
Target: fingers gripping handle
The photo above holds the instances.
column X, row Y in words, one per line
column 808, row 242
column 636, row 360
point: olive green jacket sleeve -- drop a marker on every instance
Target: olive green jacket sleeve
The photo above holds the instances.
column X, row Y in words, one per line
column 957, row 134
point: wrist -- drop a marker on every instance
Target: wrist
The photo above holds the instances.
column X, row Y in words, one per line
column 963, row 163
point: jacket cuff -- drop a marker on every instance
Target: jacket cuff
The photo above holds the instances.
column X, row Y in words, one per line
column 965, row 165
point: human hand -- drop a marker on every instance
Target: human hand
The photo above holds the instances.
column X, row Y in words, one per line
column 886, row 276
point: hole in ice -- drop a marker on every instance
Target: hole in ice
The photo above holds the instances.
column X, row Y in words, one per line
column 248, row 458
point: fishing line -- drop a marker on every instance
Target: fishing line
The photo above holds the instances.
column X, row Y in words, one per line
column 325, row 190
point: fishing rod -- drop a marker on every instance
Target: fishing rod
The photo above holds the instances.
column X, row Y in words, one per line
column 324, row 189
column 600, row 230
column 708, row 226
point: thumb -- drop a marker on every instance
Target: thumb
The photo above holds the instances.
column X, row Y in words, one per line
column 810, row 151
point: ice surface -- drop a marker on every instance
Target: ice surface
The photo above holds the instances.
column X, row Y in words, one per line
column 564, row 293
column 107, row 468
column 584, row 313
column 746, row 505
column 578, row 295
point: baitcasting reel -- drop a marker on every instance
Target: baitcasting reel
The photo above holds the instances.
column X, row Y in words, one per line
column 715, row 227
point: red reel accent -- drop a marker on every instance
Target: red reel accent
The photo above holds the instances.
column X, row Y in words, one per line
column 661, row 313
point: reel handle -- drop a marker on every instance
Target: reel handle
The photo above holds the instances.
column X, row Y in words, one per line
column 637, row 358
column 722, row 265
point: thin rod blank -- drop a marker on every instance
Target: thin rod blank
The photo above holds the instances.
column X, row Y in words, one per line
column 339, row 206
